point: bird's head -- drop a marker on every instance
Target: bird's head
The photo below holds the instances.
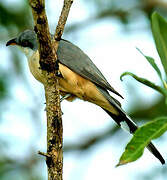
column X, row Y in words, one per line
column 27, row 40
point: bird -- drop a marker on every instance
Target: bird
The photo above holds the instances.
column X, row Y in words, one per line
column 79, row 78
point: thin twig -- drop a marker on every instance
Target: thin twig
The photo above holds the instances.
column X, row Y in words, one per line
column 44, row 154
column 62, row 19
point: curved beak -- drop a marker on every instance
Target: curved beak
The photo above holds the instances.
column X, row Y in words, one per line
column 11, row 42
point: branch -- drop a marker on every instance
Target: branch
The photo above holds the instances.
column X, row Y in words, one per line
column 41, row 27
column 62, row 19
column 49, row 65
column 61, row 23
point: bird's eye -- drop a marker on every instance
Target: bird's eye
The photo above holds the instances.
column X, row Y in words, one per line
column 25, row 43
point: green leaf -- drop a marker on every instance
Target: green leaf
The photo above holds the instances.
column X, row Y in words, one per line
column 146, row 82
column 159, row 30
column 141, row 139
column 152, row 63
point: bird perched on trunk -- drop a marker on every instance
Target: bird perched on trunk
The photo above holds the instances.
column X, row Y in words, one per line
column 79, row 78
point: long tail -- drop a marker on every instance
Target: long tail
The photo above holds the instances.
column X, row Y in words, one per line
column 126, row 123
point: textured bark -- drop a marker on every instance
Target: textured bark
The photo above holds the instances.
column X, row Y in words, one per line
column 41, row 27
column 63, row 19
column 54, row 134
column 49, row 65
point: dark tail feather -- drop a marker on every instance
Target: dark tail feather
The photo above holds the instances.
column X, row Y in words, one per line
column 122, row 118
column 155, row 152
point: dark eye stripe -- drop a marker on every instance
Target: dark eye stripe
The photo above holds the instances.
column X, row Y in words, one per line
column 27, row 44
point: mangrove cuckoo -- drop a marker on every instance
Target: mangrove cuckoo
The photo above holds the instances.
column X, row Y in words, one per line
column 80, row 78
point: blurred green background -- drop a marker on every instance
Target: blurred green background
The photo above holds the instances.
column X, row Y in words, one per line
column 22, row 116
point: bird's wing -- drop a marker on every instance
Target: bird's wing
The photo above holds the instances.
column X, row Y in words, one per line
column 75, row 59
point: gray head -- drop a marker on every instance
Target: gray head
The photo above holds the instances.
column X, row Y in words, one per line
column 25, row 39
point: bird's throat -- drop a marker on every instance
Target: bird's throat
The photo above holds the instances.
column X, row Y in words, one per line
column 28, row 52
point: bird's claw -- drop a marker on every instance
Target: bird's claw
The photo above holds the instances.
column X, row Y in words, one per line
column 65, row 97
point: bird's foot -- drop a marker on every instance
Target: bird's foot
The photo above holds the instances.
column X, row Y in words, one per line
column 65, row 97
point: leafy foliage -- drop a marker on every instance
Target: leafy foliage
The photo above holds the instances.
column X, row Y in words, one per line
column 146, row 82
column 155, row 128
column 153, row 64
column 141, row 139
column 159, row 30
